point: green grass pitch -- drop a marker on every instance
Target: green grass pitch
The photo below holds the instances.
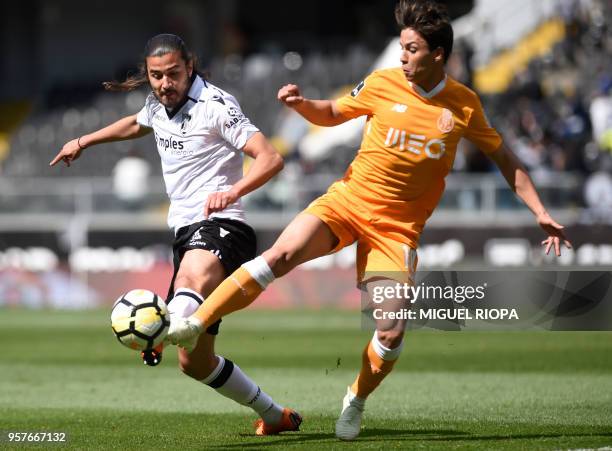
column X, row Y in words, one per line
column 64, row 371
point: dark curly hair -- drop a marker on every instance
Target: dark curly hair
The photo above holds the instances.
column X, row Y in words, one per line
column 159, row 45
column 430, row 19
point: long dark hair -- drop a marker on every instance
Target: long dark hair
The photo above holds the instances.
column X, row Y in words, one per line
column 159, row 45
column 430, row 19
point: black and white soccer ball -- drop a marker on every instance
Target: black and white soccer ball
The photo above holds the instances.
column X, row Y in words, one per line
column 140, row 319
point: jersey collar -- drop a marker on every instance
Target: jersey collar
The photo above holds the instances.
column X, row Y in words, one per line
column 197, row 84
column 428, row 95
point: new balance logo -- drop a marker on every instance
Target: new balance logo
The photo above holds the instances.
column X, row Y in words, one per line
column 399, row 107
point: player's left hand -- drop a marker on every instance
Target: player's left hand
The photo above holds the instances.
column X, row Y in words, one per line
column 555, row 234
column 218, row 201
column 70, row 152
column 184, row 332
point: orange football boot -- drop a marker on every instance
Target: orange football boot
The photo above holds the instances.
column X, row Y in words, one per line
column 290, row 421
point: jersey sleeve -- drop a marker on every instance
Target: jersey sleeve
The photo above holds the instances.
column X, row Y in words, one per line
column 480, row 132
column 227, row 118
column 145, row 115
column 361, row 100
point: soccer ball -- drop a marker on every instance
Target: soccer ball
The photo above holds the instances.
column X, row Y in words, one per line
column 140, row 319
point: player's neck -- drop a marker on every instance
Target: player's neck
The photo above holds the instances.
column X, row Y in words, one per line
column 433, row 88
column 431, row 83
column 172, row 111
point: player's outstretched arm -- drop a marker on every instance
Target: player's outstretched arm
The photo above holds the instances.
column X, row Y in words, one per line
column 126, row 128
column 319, row 112
column 518, row 178
column 267, row 164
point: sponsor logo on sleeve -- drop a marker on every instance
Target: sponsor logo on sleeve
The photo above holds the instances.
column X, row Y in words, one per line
column 357, row 89
column 235, row 116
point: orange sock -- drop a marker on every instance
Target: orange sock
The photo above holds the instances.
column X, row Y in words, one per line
column 236, row 292
column 373, row 370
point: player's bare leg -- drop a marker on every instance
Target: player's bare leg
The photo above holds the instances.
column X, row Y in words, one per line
column 378, row 359
column 305, row 238
column 200, row 272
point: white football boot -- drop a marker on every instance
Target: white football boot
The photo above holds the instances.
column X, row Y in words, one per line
column 184, row 332
column 348, row 425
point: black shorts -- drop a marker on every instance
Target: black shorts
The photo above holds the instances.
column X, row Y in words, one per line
column 234, row 242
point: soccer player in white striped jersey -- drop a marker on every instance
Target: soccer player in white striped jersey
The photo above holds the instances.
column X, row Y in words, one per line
column 201, row 134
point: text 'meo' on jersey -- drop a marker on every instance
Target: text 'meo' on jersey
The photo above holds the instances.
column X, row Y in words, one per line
column 409, row 142
column 200, row 146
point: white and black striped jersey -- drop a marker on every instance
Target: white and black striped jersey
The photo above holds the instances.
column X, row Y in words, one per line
column 200, row 145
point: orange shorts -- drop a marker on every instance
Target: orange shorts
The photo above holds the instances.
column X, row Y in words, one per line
column 386, row 246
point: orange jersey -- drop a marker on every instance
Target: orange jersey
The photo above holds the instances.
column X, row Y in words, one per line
column 409, row 143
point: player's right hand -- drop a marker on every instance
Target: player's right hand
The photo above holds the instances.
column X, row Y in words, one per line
column 70, row 152
column 184, row 332
column 555, row 233
column 290, row 95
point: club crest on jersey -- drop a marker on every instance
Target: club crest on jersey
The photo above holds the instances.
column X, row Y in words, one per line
column 446, row 123
column 357, row 89
column 185, row 118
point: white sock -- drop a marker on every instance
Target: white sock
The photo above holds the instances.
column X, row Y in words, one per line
column 259, row 269
column 356, row 400
column 384, row 352
column 184, row 303
column 229, row 380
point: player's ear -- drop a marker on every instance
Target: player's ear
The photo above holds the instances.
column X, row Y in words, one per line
column 190, row 68
column 439, row 55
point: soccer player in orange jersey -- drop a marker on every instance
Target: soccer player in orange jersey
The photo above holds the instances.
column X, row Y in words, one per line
column 416, row 115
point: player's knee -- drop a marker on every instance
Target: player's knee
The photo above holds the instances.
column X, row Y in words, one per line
column 196, row 282
column 188, row 281
column 281, row 259
column 391, row 339
column 197, row 368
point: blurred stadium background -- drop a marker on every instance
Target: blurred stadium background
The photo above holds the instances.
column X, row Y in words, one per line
column 73, row 239
column 78, row 237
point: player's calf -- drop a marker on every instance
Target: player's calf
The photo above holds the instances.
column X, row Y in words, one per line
column 198, row 365
column 377, row 362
